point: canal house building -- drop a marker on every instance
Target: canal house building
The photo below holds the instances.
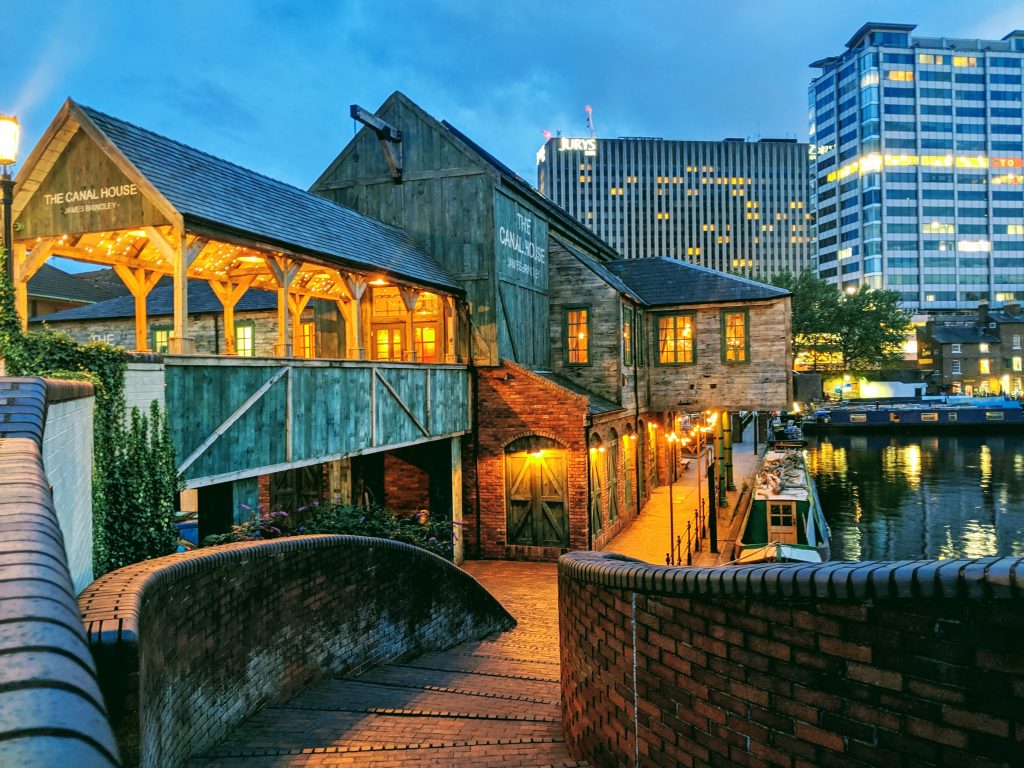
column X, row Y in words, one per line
column 423, row 329
column 978, row 354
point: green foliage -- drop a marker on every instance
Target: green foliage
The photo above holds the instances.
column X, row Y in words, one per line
column 839, row 331
column 432, row 535
column 134, row 472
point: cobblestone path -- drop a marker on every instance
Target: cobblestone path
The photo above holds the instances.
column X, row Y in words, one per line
column 488, row 703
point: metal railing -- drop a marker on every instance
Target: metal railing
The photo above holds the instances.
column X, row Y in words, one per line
column 686, row 546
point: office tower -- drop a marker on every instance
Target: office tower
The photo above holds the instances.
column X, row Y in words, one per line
column 733, row 205
column 917, row 166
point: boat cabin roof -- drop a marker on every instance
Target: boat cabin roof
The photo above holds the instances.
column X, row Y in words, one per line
column 782, row 476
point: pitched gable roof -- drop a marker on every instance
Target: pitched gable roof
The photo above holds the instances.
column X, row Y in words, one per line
column 53, row 283
column 662, row 282
column 160, row 303
column 211, row 193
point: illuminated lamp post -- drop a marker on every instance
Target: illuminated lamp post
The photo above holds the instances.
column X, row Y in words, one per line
column 672, row 438
column 9, row 134
column 712, row 511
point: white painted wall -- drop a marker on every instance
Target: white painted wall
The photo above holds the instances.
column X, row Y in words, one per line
column 143, row 383
column 67, row 460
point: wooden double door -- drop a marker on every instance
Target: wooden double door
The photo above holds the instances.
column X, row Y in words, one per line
column 535, row 486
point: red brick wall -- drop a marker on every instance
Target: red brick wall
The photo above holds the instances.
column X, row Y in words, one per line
column 842, row 664
column 627, row 448
column 188, row 646
column 512, row 403
column 406, row 486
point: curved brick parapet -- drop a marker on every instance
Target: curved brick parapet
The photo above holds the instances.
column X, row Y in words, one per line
column 189, row 645
column 847, row 663
column 51, row 709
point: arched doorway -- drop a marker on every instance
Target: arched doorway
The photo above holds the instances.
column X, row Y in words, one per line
column 535, row 487
column 612, row 473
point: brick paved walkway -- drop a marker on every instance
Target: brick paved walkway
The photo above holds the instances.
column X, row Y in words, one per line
column 647, row 537
column 488, row 703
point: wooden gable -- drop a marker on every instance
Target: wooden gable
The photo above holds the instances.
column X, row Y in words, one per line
column 84, row 190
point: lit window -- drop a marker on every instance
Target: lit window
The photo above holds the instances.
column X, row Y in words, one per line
column 734, row 337
column 708, row 227
column 1015, row 229
column 930, row 58
column 1018, row 363
column 389, row 344
column 675, row 339
column 161, row 339
column 577, row 335
column 965, row 61
column 307, row 339
column 387, row 302
column 426, row 344
column 937, row 228
column 901, row 75
column 983, row 365
column 983, row 348
column 627, row 336
column 245, row 338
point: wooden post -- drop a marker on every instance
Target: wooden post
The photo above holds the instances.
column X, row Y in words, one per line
column 228, row 294
column 409, row 298
column 727, row 429
column 458, row 544
column 24, row 264
column 451, row 320
column 356, row 286
column 345, row 310
column 139, row 283
column 296, row 305
column 181, row 254
column 284, row 270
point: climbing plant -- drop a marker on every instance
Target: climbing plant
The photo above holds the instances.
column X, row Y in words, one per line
column 134, row 473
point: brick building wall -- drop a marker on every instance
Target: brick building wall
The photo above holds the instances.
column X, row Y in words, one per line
column 616, row 429
column 765, row 383
column 512, row 403
column 179, row 672
column 406, row 486
column 841, row 664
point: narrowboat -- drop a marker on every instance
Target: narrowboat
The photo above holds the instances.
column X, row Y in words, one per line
column 784, row 520
column 943, row 414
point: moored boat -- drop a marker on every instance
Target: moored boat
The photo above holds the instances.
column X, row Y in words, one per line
column 946, row 414
column 784, row 520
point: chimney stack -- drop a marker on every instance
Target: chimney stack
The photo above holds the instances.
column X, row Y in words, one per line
column 983, row 314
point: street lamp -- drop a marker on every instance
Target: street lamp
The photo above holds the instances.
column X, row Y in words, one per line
column 672, row 438
column 9, row 134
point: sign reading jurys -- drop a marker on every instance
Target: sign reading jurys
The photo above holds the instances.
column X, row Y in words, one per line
column 521, row 244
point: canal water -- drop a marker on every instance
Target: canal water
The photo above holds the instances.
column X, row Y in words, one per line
column 896, row 497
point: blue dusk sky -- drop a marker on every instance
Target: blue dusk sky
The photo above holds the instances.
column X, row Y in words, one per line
column 267, row 83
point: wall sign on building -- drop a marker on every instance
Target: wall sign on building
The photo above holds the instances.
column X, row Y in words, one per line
column 521, row 244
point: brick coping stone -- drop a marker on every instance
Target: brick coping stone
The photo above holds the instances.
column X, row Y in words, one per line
column 51, row 708
column 982, row 577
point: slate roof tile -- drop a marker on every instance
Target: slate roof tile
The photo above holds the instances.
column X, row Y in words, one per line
column 208, row 190
column 662, row 282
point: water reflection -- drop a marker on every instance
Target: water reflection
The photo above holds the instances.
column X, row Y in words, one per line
column 896, row 497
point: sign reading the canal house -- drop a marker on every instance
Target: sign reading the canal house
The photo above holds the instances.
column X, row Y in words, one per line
column 85, row 191
column 521, row 244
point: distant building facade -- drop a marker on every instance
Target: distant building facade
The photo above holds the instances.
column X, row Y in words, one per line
column 734, row 205
column 918, row 167
column 979, row 354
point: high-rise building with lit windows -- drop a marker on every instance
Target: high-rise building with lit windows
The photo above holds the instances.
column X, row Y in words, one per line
column 734, row 205
column 917, row 161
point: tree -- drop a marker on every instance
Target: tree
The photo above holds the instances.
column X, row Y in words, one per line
column 832, row 330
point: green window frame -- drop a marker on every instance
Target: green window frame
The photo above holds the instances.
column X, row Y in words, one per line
column 160, row 338
column 677, row 338
column 576, row 335
column 735, row 336
column 245, row 347
column 628, row 342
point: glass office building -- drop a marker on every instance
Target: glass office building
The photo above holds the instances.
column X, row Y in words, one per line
column 733, row 205
column 918, row 167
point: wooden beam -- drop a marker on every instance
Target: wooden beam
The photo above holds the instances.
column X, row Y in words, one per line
column 356, row 286
column 139, row 283
column 297, row 305
column 284, row 270
column 30, row 261
column 390, row 139
column 347, row 309
column 228, row 294
column 20, row 286
column 450, row 320
column 409, row 298
column 107, row 260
